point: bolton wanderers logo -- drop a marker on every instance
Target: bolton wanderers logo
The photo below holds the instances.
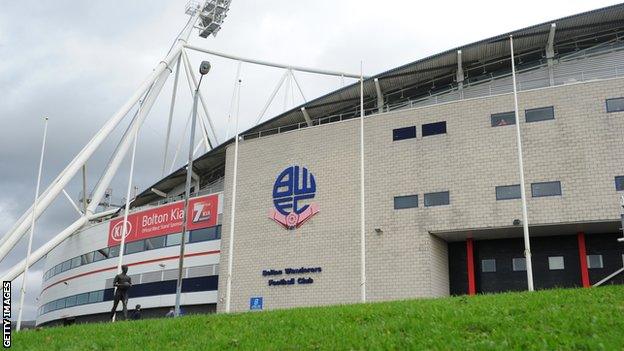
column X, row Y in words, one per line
column 292, row 192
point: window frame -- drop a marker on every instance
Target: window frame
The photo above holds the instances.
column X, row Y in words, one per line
column 589, row 266
column 422, row 128
column 615, row 180
column 492, row 260
column 498, row 198
column 404, row 197
column 513, row 264
column 410, row 129
column 448, row 197
column 526, row 111
column 612, row 99
column 551, row 262
column 550, row 182
column 500, row 114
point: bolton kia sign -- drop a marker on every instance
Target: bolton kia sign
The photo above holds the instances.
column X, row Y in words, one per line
column 165, row 220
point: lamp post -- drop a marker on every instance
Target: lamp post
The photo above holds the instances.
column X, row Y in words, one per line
column 204, row 68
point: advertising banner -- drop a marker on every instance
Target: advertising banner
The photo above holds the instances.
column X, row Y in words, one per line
column 165, row 220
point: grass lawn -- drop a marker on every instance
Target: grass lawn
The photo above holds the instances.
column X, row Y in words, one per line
column 564, row 319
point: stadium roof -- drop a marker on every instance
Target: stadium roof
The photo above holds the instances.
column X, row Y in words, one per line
column 571, row 33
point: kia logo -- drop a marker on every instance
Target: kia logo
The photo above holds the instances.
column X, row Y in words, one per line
column 117, row 231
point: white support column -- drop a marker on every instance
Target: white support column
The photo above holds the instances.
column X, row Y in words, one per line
column 550, row 53
column 307, row 117
column 72, row 203
column 171, row 107
column 525, row 219
column 460, row 75
column 380, row 99
column 20, row 309
column 192, row 87
column 271, row 97
column 362, row 198
column 292, row 74
column 182, row 138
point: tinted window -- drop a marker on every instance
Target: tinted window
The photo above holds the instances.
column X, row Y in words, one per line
column 174, row 239
column 96, row 296
column 82, row 299
column 404, row 133
column 60, row 304
column 135, row 246
column 409, row 201
column 437, row 199
column 506, row 192
column 87, row 258
column 113, row 251
column 488, row 265
column 503, row 119
column 155, row 243
column 100, row 254
column 66, row 265
column 546, row 189
column 539, row 114
column 75, row 262
column 619, row 183
column 615, row 105
column 433, row 128
column 203, row 234
column 519, row 264
column 70, row 301
column 57, row 268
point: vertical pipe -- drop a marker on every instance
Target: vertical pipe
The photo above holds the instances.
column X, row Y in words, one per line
column 32, row 229
column 580, row 236
column 525, row 220
column 84, row 188
column 472, row 287
column 228, row 288
column 187, row 192
column 127, row 207
column 362, row 199
column 171, row 107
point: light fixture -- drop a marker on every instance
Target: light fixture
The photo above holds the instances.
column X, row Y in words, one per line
column 378, row 231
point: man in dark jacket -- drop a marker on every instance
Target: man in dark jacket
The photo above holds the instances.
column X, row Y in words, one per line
column 122, row 284
column 137, row 313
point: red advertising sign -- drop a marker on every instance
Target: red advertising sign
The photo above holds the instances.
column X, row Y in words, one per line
column 165, row 220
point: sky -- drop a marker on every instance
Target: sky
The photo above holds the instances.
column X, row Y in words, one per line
column 77, row 62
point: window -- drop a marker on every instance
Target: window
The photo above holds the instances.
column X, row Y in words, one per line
column 134, row 246
column 60, row 303
column 539, row 114
column 433, row 128
column 96, row 296
column 594, row 261
column 203, row 234
column 546, row 189
column 619, row 183
column 488, row 266
column 155, row 243
column 507, row 192
column 57, row 268
column 113, row 251
column 66, row 265
column 519, row 264
column 437, row 199
column 409, row 201
column 70, row 301
column 100, row 254
column 503, row 119
column 75, row 262
column 555, row 263
column 87, row 258
column 82, row 299
column 174, row 239
column 615, row 105
column 404, row 133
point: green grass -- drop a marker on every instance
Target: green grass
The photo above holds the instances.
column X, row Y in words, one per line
column 564, row 319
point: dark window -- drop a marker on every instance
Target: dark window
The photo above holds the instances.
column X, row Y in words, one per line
column 619, row 183
column 96, row 296
column 113, row 251
column 507, row 192
column 204, row 234
column 519, row 264
column 87, row 258
column 546, row 189
column 404, row 133
column 539, row 114
column 409, row 201
column 488, row 266
column 71, row 301
column 503, row 119
column 433, row 128
column 155, row 243
column 174, row 239
column 100, row 254
column 60, row 303
column 82, row 299
column 66, row 265
column 615, row 105
column 135, row 246
column 437, row 199
column 57, row 268
column 75, row 262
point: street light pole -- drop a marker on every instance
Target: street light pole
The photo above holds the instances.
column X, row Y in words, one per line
column 203, row 70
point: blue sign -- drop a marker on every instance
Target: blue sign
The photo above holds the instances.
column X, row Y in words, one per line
column 255, row 303
column 292, row 187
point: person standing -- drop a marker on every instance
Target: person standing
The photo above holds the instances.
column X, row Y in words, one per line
column 122, row 284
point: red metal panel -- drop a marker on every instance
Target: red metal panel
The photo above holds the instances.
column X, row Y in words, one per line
column 470, row 263
column 580, row 236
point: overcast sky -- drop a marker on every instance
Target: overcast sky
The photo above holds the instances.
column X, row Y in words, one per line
column 78, row 61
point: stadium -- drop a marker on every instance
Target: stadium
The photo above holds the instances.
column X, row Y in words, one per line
column 442, row 213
